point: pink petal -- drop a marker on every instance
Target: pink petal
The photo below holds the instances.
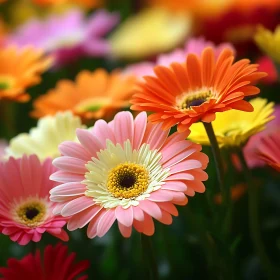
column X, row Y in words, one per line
column 138, row 213
column 105, row 222
column 123, row 127
column 81, row 219
column 92, row 226
column 67, row 189
column 125, row 216
column 69, row 164
column 140, row 123
column 103, row 132
column 75, row 150
column 160, row 196
column 89, row 141
column 174, row 186
column 197, row 186
column 166, row 218
column 168, row 207
column 150, row 208
column 148, row 225
column 65, row 177
column 155, row 136
column 77, row 205
column 174, row 138
column 185, row 165
column 174, row 149
column 125, row 231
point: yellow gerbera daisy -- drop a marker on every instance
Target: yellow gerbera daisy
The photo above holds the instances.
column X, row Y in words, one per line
column 44, row 139
column 233, row 128
column 269, row 42
column 150, row 32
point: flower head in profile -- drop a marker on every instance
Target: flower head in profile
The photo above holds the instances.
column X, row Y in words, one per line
column 269, row 42
column 193, row 45
column 20, row 68
column 25, row 208
column 234, row 128
column 269, row 150
column 68, row 36
column 185, row 93
column 93, row 95
column 126, row 170
column 150, row 32
column 250, row 151
column 56, row 263
column 44, row 139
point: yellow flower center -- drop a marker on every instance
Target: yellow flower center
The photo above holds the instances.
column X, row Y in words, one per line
column 127, row 180
column 31, row 213
column 92, row 104
column 6, row 82
column 193, row 99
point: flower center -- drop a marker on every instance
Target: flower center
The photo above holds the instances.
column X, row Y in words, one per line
column 31, row 213
column 193, row 99
column 127, row 180
column 92, row 104
column 6, row 82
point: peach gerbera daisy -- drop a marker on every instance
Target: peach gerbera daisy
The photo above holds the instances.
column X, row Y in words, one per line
column 19, row 69
column 185, row 93
column 93, row 95
column 126, row 170
column 25, row 208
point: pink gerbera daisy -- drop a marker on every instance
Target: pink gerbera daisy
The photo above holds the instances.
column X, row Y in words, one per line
column 25, row 208
column 56, row 264
column 126, row 170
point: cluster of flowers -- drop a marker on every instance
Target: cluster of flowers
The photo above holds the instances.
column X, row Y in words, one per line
column 88, row 163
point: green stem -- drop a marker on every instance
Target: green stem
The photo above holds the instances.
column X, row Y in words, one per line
column 254, row 221
column 149, row 259
column 218, row 162
column 33, row 247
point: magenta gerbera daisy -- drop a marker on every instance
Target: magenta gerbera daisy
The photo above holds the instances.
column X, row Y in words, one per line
column 126, row 170
column 25, row 208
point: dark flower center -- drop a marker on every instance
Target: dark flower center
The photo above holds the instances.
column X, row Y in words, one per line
column 31, row 213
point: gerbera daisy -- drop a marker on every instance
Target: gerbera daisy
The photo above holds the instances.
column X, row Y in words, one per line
column 56, row 263
column 150, row 32
column 20, row 69
column 250, row 150
column 44, row 139
column 25, row 208
column 234, row 128
column 268, row 150
column 269, row 42
column 93, row 95
column 194, row 91
column 68, row 36
column 126, row 170
column 194, row 45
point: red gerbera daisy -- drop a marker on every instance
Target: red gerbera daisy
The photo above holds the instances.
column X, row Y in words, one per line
column 55, row 264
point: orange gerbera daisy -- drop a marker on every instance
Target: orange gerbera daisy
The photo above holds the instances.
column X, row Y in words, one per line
column 93, row 95
column 195, row 90
column 20, row 69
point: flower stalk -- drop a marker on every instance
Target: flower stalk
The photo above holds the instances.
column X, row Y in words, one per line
column 149, row 258
column 254, row 222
